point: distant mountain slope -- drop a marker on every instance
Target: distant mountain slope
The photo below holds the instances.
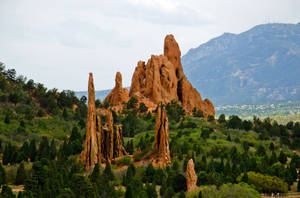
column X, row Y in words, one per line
column 100, row 94
column 259, row 65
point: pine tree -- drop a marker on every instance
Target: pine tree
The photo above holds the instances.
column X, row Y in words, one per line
column 169, row 193
column 8, row 154
column 298, row 187
column 2, row 175
column 129, row 192
column 107, row 173
column 7, row 119
column 200, row 194
column 181, row 194
column 53, row 150
column 245, row 177
column 21, row 175
column 163, row 187
column 151, row 190
column 95, row 174
column 32, row 150
column 7, row 192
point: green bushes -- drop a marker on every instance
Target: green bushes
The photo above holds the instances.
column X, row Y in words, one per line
column 266, row 183
column 226, row 190
column 124, row 161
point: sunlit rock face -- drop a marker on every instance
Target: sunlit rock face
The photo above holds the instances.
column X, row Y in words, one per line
column 162, row 80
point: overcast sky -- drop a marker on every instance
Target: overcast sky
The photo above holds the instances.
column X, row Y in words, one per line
column 58, row 42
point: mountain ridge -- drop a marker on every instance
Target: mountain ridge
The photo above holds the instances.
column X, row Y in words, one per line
column 240, row 68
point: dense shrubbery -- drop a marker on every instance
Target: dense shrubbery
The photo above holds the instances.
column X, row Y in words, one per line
column 226, row 190
column 265, row 183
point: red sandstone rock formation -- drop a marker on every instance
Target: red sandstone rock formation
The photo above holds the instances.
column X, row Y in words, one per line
column 162, row 80
column 191, row 177
column 119, row 150
column 100, row 144
column 91, row 154
column 161, row 139
column 118, row 94
column 108, row 138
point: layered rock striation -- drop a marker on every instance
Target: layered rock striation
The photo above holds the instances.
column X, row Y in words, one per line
column 191, row 177
column 161, row 139
column 162, row 80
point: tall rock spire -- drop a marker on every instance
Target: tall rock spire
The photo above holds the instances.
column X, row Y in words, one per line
column 161, row 139
column 118, row 94
column 191, row 177
column 91, row 154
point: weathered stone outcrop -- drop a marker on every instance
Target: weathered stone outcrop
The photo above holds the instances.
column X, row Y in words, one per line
column 108, row 138
column 191, row 177
column 118, row 94
column 91, row 154
column 162, row 80
column 119, row 150
column 161, row 139
column 102, row 142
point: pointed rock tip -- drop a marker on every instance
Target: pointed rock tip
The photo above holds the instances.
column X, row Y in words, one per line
column 118, row 79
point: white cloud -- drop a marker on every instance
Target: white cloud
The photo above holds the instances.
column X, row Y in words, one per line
column 59, row 42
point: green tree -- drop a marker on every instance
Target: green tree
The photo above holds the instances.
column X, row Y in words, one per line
column 169, row 193
column 129, row 192
column 32, row 150
column 107, row 173
column 143, row 108
column 181, row 195
column 149, row 174
column 7, row 192
column 210, row 118
column 282, row 157
column 21, row 175
column 132, row 103
column 298, row 185
column 95, row 174
column 151, row 190
column 2, row 175
column 222, row 118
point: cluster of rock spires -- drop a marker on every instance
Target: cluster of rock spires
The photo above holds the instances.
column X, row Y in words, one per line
column 155, row 84
column 161, row 138
column 103, row 142
column 161, row 80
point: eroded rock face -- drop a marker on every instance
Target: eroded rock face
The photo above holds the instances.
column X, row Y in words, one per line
column 91, row 154
column 191, row 177
column 118, row 94
column 119, row 150
column 162, row 80
column 108, row 138
column 161, row 139
column 101, row 144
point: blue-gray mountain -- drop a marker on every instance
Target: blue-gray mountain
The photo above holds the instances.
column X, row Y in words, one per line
column 259, row 65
